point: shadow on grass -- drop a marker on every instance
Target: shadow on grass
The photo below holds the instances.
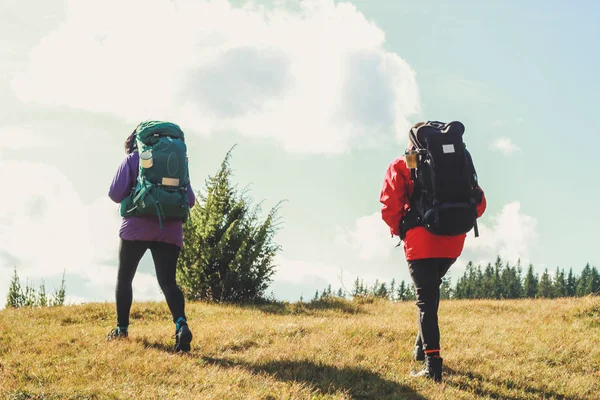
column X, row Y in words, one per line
column 161, row 346
column 356, row 382
column 280, row 308
column 473, row 382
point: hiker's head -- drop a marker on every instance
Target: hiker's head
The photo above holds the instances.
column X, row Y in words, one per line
column 411, row 145
column 130, row 146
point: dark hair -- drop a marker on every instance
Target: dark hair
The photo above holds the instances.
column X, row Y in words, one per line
column 130, row 145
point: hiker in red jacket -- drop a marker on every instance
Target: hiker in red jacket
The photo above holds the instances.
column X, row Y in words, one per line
column 429, row 255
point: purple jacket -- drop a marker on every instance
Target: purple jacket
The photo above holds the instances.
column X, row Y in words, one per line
column 143, row 228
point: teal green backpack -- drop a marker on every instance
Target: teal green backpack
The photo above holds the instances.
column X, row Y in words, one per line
column 163, row 177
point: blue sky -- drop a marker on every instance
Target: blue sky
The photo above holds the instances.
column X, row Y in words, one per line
column 318, row 96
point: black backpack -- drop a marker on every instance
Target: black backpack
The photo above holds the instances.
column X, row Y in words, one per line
column 446, row 192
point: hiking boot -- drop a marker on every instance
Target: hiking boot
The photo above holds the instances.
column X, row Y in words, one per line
column 116, row 334
column 183, row 338
column 432, row 369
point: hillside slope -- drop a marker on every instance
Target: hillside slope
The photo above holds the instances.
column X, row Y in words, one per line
column 517, row 349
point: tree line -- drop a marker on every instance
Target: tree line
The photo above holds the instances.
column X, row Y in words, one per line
column 499, row 280
column 28, row 296
column 229, row 252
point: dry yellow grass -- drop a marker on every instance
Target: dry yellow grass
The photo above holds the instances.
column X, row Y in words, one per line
column 517, row 349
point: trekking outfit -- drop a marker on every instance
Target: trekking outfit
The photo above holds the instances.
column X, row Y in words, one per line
column 431, row 200
column 153, row 188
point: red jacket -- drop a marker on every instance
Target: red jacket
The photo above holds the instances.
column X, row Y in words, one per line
column 419, row 242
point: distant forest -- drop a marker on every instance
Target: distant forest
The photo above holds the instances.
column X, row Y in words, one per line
column 494, row 281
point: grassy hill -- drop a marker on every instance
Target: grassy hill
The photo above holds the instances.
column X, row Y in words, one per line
column 517, row 349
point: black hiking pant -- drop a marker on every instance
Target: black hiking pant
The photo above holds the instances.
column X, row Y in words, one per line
column 165, row 257
column 427, row 276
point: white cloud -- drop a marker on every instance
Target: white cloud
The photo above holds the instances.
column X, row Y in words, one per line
column 17, row 137
column 369, row 238
column 511, row 236
column 299, row 271
column 46, row 229
column 316, row 79
column 302, row 272
column 505, row 145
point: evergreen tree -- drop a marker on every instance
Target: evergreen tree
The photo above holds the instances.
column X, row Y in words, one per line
column 401, row 293
column 560, row 285
column 59, row 295
column 29, row 295
column 324, row 294
column 381, row 291
column 356, row 288
column 571, row 284
column 228, row 254
column 373, row 290
column 42, row 300
column 15, row 297
column 511, row 282
column 410, row 292
column 496, row 283
column 530, row 287
column 595, row 281
column 479, row 289
column 340, row 293
column 392, row 289
column 446, row 289
column 584, row 283
column 545, row 289
column 488, row 282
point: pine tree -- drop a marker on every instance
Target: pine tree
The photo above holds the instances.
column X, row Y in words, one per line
column 59, row 295
column 42, row 300
column 511, row 282
column 477, row 284
column 393, row 289
column 356, row 288
column 488, row 282
column 445, row 289
column 401, row 292
column 595, row 281
column 465, row 286
column 545, row 285
column 323, row 294
column 584, row 283
column 29, row 295
column 560, row 285
column 381, row 291
column 410, row 292
column 571, row 284
column 530, row 287
column 15, row 298
column 496, row 283
column 228, row 254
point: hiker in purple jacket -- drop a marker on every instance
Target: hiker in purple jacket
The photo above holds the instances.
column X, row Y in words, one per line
column 138, row 234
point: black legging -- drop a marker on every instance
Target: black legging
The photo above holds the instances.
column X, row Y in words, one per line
column 165, row 262
column 427, row 276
